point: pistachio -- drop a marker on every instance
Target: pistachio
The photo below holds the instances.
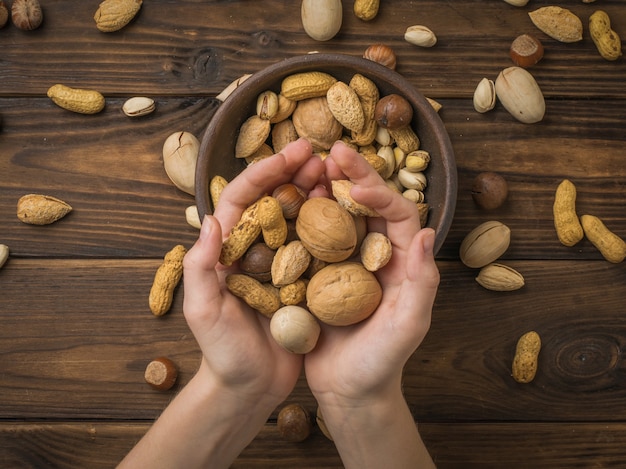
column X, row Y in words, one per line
column 138, row 106
column 267, row 105
column 180, row 154
column 485, row 96
column 499, row 277
column 420, row 36
column 484, row 244
column 520, row 94
column 411, row 180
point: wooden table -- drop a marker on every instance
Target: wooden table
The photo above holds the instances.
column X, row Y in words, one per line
column 75, row 329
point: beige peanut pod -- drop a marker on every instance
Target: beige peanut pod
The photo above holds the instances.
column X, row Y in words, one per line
column 606, row 40
column 524, row 366
column 368, row 94
column 113, row 15
column 166, row 279
column 262, row 297
column 241, row 236
column 78, row 100
column 306, row 85
column 37, row 209
column 406, row 139
column 366, row 10
column 611, row 246
column 272, row 222
column 566, row 222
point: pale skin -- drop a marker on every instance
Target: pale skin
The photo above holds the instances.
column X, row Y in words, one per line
column 354, row 372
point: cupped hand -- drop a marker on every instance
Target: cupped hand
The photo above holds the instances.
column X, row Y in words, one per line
column 238, row 349
column 358, row 362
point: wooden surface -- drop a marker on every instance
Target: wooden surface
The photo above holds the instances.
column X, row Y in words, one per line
column 75, row 328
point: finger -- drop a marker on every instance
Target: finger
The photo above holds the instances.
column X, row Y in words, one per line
column 260, row 178
column 200, row 279
column 417, row 294
column 400, row 214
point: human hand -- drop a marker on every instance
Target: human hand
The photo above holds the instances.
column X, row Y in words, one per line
column 238, row 349
column 365, row 361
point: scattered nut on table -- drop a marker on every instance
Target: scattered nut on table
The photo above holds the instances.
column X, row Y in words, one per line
column 138, row 106
column 39, row 209
column 113, row 15
column 161, row 373
column 26, row 14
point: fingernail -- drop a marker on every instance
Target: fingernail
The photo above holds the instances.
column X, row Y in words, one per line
column 429, row 241
column 205, row 230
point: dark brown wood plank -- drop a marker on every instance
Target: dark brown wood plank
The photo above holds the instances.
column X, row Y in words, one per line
column 110, row 169
column 77, row 336
column 197, row 48
column 97, row 444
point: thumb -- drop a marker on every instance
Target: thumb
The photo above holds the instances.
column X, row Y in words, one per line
column 200, row 278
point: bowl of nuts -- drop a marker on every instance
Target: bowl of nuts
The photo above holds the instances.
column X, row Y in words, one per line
column 324, row 98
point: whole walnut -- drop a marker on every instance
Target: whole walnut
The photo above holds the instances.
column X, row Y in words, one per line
column 326, row 229
column 314, row 121
column 343, row 294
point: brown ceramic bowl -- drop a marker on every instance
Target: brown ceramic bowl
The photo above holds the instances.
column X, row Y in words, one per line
column 216, row 155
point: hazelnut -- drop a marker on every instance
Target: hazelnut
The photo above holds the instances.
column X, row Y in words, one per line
column 257, row 262
column 294, row 423
column 161, row 373
column 343, row 294
column 326, row 229
column 290, row 197
column 382, row 54
column 295, row 329
column 526, row 51
column 489, row 190
column 26, row 14
column 393, row 112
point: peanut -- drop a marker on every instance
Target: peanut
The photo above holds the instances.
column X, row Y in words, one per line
column 166, row 279
column 216, row 186
column 566, row 223
column 526, row 355
column 611, row 246
column 368, row 94
column 262, row 297
column 272, row 222
column 366, row 10
column 406, row 139
column 113, row 15
column 606, row 40
column 77, row 100
column 241, row 236
column 294, row 293
column 306, row 85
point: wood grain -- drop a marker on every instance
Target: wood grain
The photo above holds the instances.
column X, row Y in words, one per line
column 76, row 332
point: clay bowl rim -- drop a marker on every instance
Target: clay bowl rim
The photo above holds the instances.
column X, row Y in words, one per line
column 217, row 158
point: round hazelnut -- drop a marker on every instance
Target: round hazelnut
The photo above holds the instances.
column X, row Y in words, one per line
column 161, row 373
column 257, row 262
column 489, row 190
column 382, row 54
column 290, row 197
column 526, row 50
column 295, row 329
column 343, row 294
column 326, row 229
column 294, row 423
column 393, row 112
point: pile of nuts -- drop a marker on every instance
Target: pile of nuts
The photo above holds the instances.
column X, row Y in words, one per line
column 317, row 106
